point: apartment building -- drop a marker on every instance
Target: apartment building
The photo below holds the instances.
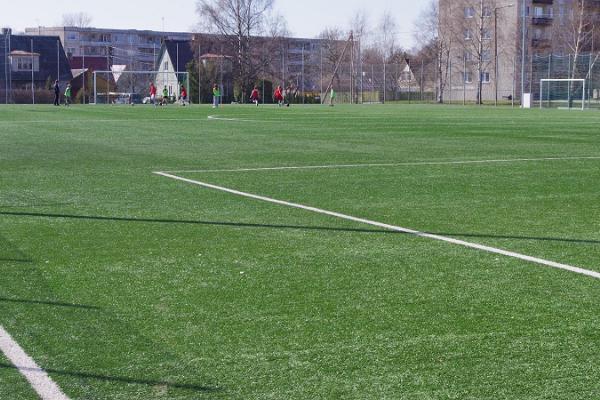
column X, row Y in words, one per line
column 102, row 48
column 503, row 39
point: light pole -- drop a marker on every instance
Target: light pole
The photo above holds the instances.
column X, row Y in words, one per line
column 496, row 50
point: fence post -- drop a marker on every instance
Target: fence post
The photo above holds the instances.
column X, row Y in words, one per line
column 589, row 79
column 464, row 79
column 384, row 81
column 32, row 77
column 514, row 82
column 449, row 83
column 422, row 67
column 6, row 66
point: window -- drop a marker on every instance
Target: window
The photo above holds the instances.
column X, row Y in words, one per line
column 486, row 55
column 487, row 34
column 485, row 77
column 468, row 34
column 468, row 76
column 72, row 36
column 469, row 12
column 467, row 55
column 487, row 12
column 25, row 63
column 71, row 51
column 105, row 38
column 166, row 65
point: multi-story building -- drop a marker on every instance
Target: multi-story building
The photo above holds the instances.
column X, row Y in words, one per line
column 496, row 44
column 102, row 48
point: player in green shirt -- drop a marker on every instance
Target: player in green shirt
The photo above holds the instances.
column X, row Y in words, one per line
column 165, row 97
column 216, row 96
column 68, row 95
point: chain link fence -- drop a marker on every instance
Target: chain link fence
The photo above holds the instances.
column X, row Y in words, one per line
column 29, row 65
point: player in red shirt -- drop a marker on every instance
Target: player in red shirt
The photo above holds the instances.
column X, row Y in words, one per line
column 153, row 93
column 278, row 95
column 255, row 96
column 183, row 95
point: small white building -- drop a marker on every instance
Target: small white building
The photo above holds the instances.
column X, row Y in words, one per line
column 172, row 64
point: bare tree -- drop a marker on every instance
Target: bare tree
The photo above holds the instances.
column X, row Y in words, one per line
column 387, row 34
column 78, row 20
column 239, row 21
column 575, row 34
column 333, row 43
column 359, row 24
column 436, row 37
column 474, row 36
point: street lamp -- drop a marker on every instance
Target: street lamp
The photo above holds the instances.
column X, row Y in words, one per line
column 496, row 49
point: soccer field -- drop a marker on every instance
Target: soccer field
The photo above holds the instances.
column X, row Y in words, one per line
column 354, row 252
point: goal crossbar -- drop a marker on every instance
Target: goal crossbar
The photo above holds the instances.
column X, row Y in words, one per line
column 542, row 81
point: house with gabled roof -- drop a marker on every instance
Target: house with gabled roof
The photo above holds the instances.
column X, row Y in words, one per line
column 173, row 58
column 42, row 55
column 33, row 61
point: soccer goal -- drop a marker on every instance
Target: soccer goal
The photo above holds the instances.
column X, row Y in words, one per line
column 133, row 87
column 562, row 93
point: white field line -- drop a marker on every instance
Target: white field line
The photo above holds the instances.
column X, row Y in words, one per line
column 216, row 118
column 84, row 121
column 43, row 385
column 406, row 164
column 394, row 228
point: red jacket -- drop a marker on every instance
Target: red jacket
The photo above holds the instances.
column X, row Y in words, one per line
column 278, row 94
column 255, row 95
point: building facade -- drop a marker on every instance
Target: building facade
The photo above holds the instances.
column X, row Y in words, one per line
column 137, row 49
column 496, row 45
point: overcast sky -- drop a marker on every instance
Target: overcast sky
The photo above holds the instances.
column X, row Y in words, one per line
column 305, row 18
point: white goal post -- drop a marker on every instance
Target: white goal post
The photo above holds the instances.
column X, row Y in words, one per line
column 567, row 92
column 130, row 87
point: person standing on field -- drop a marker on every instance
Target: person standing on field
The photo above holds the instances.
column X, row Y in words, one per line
column 278, row 95
column 332, row 97
column 153, row 93
column 68, row 95
column 183, row 96
column 165, row 96
column 255, row 96
column 56, row 93
column 216, row 96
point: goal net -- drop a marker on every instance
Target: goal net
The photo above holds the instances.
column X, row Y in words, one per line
column 133, row 87
column 563, row 93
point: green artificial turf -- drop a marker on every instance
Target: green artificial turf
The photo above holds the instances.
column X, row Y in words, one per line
column 123, row 284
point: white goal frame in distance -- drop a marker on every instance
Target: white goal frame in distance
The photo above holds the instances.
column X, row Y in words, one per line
column 562, row 80
column 155, row 73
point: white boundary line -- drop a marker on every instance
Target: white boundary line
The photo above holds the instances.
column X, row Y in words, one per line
column 394, row 228
column 83, row 120
column 406, row 164
column 43, row 385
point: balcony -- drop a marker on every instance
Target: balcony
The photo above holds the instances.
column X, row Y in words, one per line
column 542, row 20
column 543, row 1
column 541, row 43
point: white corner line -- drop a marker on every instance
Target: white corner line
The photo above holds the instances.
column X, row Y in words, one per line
column 405, row 164
column 389, row 227
column 43, row 385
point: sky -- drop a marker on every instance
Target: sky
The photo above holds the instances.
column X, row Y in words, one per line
column 305, row 18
